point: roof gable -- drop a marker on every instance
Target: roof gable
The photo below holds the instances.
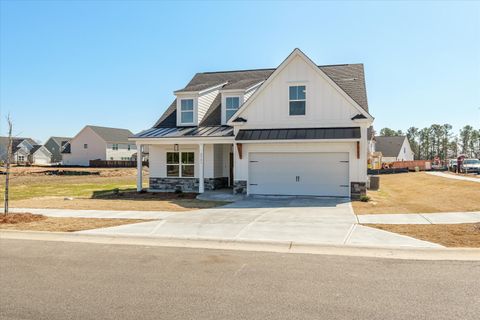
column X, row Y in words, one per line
column 389, row 146
column 349, row 78
column 111, row 134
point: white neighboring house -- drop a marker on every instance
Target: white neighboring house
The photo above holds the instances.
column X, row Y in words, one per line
column 98, row 143
column 299, row 129
column 396, row 148
column 25, row 151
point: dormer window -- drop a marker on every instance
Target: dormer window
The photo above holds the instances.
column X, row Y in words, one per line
column 297, row 100
column 231, row 106
column 186, row 111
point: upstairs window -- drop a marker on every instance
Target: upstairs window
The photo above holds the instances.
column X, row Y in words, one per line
column 297, row 100
column 186, row 110
column 115, row 146
column 231, row 106
column 85, row 146
column 129, row 148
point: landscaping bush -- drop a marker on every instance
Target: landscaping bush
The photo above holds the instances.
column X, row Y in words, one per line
column 364, row 198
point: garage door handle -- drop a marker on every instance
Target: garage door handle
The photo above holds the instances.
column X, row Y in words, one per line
column 253, row 184
column 253, row 161
column 346, row 161
column 344, row 185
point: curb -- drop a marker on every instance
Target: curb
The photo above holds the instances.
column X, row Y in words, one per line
column 402, row 253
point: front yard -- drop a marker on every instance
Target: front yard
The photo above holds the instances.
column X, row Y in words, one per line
column 419, row 192
column 112, row 189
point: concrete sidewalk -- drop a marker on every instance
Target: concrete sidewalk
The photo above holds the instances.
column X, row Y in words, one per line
column 421, row 218
column 452, row 176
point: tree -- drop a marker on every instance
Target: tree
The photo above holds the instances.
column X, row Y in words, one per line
column 412, row 136
column 465, row 140
column 7, row 165
column 387, row 132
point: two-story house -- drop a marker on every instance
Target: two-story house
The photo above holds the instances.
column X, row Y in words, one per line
column 98, row 143
column 299, row 129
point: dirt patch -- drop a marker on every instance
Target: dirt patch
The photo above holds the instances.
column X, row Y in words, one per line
column 54, row 224
column 449, row 235
column 419, row 192
column 14, row 218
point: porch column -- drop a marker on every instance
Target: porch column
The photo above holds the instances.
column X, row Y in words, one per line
column 139, row 168
column 201, row 180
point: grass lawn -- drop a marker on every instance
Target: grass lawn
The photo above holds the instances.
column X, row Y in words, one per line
column 419, row 192
column 449, row 235
column 31, row 222
column 93, row 192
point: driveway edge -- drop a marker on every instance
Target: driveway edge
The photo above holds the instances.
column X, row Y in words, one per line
column 403, row 253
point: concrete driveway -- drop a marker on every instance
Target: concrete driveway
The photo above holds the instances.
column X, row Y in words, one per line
column 300, row 220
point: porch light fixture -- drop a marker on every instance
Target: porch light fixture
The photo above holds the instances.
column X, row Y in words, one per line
column 175, row 147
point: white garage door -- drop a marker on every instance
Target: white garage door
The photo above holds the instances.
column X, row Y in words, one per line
column 313, row 174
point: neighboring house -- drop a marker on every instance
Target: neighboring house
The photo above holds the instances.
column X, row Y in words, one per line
column 25, row 151
column 39, row 155
column 93, row 142
column 374, row 156
column 55, row 145
column 396, row 148
column 299, row 129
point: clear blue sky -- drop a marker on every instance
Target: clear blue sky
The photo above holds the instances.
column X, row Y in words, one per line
column 117, row 63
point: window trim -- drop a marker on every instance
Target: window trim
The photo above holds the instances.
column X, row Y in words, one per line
column 185, row 111
column 21, row 158
column 115, row 146
column 179, row 164
column 295, row 100
column 239, row 98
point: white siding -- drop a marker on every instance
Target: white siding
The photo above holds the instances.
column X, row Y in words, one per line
column 122, row 151
column 158, row 158
column 204, row 102
column 325, row 106
column 80, row 156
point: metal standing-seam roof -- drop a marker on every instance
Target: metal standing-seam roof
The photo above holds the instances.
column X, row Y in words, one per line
column 298, row 134
column 182, row 132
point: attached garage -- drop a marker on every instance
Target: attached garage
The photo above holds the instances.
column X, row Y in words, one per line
column 299, row 173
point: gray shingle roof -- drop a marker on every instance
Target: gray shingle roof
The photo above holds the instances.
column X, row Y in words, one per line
column 59, row 140
column 112, row 134
column 389, row 146
column 349, row 77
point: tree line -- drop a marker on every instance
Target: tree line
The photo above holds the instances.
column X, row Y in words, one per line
column 440, row 141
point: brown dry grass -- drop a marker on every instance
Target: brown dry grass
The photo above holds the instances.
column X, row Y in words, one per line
column 54, row 224
column 20, row 217
column 449, row 235
column 420, row 193
column 174, row 205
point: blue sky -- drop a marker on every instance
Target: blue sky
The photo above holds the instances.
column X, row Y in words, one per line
column 67, row 64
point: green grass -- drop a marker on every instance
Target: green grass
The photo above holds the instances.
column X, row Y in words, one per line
column 78, row 186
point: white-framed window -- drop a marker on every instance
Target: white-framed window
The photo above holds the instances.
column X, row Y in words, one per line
column 180, row 164
column 115, row 146
column 21, row 158
column 129, row 147
column 231, row 106
column 186, row 111
column 297, row 100
column 85, row 146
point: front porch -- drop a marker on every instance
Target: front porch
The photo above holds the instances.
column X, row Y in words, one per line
column 188, row 167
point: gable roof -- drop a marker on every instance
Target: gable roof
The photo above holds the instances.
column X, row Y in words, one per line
column 389, row 146
column 16, row 141
column 60, row 140
column 112, row 134
column 349, row 77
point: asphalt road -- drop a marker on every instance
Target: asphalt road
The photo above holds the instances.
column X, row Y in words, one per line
column 57, row 280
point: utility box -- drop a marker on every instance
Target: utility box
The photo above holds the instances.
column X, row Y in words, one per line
column 374, row 182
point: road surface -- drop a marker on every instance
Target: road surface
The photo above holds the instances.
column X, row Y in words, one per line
column 59, row 280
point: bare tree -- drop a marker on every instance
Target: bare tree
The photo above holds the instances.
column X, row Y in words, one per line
column 7, row 165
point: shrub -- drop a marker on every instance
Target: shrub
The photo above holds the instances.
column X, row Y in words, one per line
column 364, row 198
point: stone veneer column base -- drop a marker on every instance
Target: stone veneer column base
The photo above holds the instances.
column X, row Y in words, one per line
column 240, row 187
column 186, row 184
column 358, row 189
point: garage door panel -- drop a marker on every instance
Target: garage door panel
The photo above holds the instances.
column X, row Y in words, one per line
column 318, row 174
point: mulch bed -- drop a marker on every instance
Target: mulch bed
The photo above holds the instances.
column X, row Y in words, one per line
column 134, row 195
column 14, row 218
